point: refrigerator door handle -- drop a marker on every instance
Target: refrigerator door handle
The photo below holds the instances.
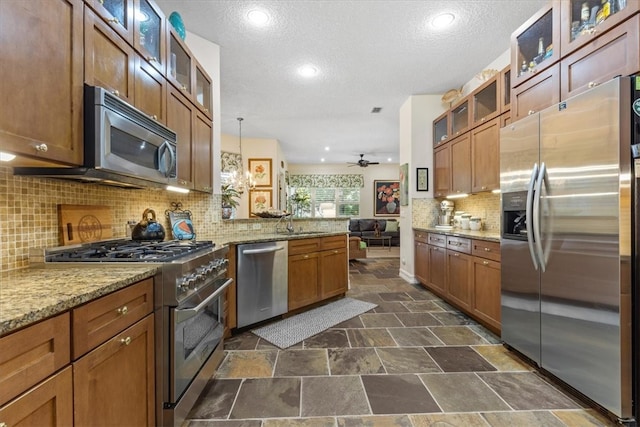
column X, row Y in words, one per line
column 542, row 177
column 529, row 215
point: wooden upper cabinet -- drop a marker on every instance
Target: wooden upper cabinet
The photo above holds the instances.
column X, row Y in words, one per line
column 179, row 119
column 109, row 62
column 485, row 157
column 460, row 117
column 150, row 34
column 505, row 89
column 485, row 101
column 442, row 174
column 118, row 14
column 576, row 32
column 539, row 92
column 180, row 63
column 461, row 164
column 41, row 112
column 202, row 149
column 441, row 129
column 535, row 45
column 203, row 94
column 614, row 53
column 150, row 91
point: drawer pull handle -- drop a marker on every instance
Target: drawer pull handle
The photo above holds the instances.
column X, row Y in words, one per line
column 113, row 21
column 487, row 249
column 125, row 341
column 43, row 148
column 306, row 256
column 531, row 112
column 335, row 252
column 455, row 254
column 592, row 84
column 122, row 310
column 455, row 243
column 485, row 262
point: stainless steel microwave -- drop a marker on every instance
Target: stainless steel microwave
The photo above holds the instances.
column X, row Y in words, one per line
column 122, row 146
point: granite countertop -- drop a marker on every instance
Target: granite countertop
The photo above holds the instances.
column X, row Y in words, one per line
column 32, row 294
column 236, row 239
column 491, row 236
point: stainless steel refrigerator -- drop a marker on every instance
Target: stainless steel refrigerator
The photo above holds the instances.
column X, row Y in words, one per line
column 568, row 207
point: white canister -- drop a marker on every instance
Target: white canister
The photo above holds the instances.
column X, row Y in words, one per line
column 457, row 217
column 464, row 221
column 475, row 223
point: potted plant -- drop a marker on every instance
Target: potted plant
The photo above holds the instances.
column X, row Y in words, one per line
column 229, row 200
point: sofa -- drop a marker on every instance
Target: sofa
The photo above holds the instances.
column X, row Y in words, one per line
column 365, row 227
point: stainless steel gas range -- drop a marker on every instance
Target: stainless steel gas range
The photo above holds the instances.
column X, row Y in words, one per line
column 189, row 301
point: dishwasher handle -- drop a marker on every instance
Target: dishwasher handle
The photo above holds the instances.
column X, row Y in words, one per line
column 262, row 250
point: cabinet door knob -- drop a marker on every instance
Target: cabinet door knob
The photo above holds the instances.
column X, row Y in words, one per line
column 206, row 110
column 487, row 249
column 122, row 310
column 184, row 87
column 592, row 84
column 456, row 254
column 306, row 256
column 113, row 20
column 485, row 262
column 152, row 59
column 483, row 119
column 531, row 112
column 115, row 92
column 484, row 187
column 335, row 252
column 42, row 148
column 154, row 117
column 125, row 341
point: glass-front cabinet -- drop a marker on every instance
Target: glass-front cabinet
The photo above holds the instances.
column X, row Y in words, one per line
column 505, row 89
column 118, row 14
column 149, row 33
column 485, row 101
column 460, row 117
column 441, row 129
column 535, row 45
column 179, row 63
column 203, row 93
column 584, row 20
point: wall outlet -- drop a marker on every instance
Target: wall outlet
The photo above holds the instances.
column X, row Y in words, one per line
column 242, row 227
column 257, row 226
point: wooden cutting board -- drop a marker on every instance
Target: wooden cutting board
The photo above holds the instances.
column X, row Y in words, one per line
column 84, row 223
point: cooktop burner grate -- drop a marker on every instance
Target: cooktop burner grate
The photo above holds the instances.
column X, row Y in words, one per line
column 129, row 251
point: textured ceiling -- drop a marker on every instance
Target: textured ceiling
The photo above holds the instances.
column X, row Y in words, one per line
column 368, row 53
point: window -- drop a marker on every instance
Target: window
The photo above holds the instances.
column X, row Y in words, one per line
column 329, row 202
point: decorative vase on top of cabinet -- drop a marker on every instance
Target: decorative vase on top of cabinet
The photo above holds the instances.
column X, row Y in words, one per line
column 536, row 44
column 602, row 16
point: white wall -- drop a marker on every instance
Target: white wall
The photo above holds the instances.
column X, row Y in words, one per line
column 383, row 171
column 208, row 55
column 416, row 149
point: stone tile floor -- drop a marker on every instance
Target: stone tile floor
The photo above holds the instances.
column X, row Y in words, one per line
column 412, row 361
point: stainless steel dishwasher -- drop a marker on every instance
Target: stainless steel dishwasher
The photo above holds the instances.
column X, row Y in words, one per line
column 262, row 280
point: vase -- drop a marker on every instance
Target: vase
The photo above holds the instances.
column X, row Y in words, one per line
column 226, row 212
column 391, row 207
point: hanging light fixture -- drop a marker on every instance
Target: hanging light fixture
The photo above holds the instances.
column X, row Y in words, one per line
column 238, row 182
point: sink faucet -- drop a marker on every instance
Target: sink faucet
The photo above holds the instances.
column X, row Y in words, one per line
column 289, row 227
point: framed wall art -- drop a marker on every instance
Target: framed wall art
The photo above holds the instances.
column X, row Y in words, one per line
column 386, row 198
column 259, row 201
column 422, row 179
column 261, row 172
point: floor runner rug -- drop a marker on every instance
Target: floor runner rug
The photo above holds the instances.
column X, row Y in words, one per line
column 292, row 330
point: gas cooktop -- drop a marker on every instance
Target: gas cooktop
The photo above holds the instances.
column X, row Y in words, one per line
column 128, row 251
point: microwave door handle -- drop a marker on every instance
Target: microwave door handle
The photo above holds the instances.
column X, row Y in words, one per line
column 530, row 215
column 162, row 150
column 184, row 314
column 173, row 160
column 536, row 216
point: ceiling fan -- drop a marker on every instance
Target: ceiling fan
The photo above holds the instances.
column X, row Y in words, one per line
column 362, row 162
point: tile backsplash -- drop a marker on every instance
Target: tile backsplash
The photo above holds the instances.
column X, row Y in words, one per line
column 29, row 216
column 485, row 205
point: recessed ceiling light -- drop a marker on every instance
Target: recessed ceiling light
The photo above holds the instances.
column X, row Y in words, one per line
column 326, row 148
column 257, row 17
column 322, row 160
column 389, row 159
column 443, row 20
column 307, row 71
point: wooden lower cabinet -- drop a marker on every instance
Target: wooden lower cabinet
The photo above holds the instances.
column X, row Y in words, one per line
column 317, row 270
column 304, row 283
column 485, row 301
column 438, row 270
column 48, row 404
column 459, row 278
column 114, row 384
column 464, row 272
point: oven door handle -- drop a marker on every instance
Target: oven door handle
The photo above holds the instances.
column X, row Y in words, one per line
column 184, row 314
